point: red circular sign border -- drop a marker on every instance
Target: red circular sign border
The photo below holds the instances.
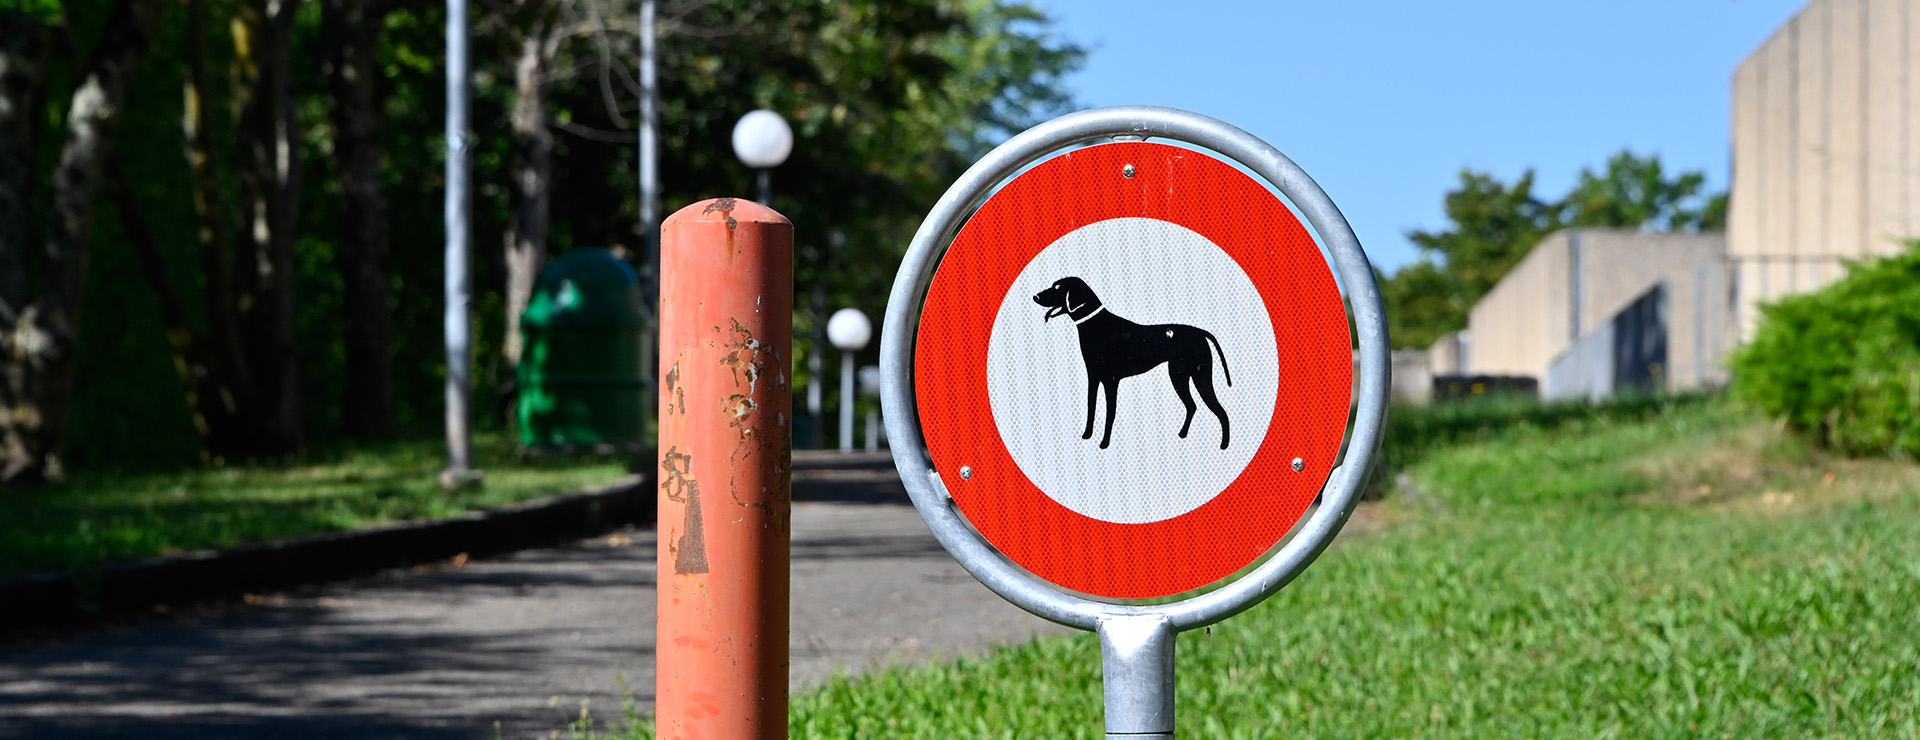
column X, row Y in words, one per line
column 1279, row 256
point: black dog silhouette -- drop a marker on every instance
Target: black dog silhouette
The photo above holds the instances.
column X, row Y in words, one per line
column 1114, row 348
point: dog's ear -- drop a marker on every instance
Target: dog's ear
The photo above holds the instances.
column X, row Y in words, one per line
column 1066, row 297
column 1049, row 298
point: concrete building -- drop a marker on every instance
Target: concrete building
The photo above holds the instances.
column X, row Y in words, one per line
column 1826, row 168
column 1826, row 148
column 1415, row 370
column 1449, row 353
column 1576, row 282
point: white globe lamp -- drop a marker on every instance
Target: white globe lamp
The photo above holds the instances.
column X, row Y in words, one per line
column 762, row 140
column 849, row 331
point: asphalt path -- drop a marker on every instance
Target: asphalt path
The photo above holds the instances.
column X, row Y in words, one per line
column 450, row 649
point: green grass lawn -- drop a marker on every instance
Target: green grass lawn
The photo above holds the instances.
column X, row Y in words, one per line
column 1691, row 574
column 99, row 519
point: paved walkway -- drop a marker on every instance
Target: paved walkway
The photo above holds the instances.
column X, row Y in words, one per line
column 446, row 652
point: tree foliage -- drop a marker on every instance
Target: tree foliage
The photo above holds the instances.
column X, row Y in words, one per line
column 1494, row 224
column 1636, row 192
column 889, row 100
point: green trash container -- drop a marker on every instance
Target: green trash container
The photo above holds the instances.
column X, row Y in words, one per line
column 582, row 379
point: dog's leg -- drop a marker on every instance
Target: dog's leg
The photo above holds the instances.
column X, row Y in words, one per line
column 1093, row 393
column 1204, row 381
column 1180, row 381
column 1113, row 393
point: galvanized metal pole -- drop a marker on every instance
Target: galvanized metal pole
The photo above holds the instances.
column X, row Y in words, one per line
column 459, row 470
column 726, row 413
column 817, row 437
column 764, row 176
column 846, row 400
column 649, row 171
column 1136, row 665
column 649, row 164
column 817, row 421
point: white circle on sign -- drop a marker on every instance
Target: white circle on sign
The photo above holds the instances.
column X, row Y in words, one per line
column 1148, row 272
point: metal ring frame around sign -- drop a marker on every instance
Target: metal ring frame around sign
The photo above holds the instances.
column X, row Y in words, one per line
column 922, row 480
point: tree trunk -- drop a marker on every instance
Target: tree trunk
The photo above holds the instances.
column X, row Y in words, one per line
column 530, row 179
column 23, row 60
column 225, row 412
column 37, row 356
column 23, row 72
column 269, row 189
column 350, row 30
column 206, row 395
column 224, row 396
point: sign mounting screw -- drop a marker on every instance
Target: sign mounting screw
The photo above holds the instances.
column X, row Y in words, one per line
column 1299, row 465
column 965, row 472
column 1127, row 171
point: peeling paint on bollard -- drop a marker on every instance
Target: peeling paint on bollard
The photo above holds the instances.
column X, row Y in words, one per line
column 726, row 333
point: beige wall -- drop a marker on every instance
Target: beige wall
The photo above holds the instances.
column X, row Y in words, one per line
column 1412, row 377
column 1826, row 148
column 1537, row 311
column 1520, row 325
column 1448, row 355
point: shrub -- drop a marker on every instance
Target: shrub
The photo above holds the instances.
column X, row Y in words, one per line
column 1842, row 365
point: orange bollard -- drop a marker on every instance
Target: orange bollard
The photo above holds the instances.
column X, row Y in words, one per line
column 726, row 435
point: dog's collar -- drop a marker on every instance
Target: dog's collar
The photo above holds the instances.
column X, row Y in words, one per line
column 1083, row 319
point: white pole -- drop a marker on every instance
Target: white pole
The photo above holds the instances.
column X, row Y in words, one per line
column 649, row 171
column 649, row 142
column 818, row 437
column 846, row 401
column 849, row 331
column 459, row 379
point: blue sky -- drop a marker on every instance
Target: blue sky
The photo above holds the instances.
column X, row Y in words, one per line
column 1384, row 102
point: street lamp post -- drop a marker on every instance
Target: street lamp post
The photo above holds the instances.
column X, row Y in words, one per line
column 457, row 324
column 649, row 148
column 762, row 140
column 836, row 241
column 849, row 331
column 870, row 386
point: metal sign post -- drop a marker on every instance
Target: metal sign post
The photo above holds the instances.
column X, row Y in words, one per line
column 1168, row 435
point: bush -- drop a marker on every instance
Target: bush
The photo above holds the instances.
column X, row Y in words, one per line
column 1842, row 365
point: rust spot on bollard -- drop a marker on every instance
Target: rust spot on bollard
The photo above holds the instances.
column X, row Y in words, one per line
column 751, row 363
column 690, row 550
column 674, row 393
column 727, row 325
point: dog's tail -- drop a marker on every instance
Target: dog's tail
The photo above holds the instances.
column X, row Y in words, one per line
column 1223, row 356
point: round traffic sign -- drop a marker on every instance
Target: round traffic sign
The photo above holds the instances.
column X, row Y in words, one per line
column 1133, row 370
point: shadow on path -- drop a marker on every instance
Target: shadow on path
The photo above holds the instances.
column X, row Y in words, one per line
column 195, row 728
column 424, row 653
column 446, row 652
